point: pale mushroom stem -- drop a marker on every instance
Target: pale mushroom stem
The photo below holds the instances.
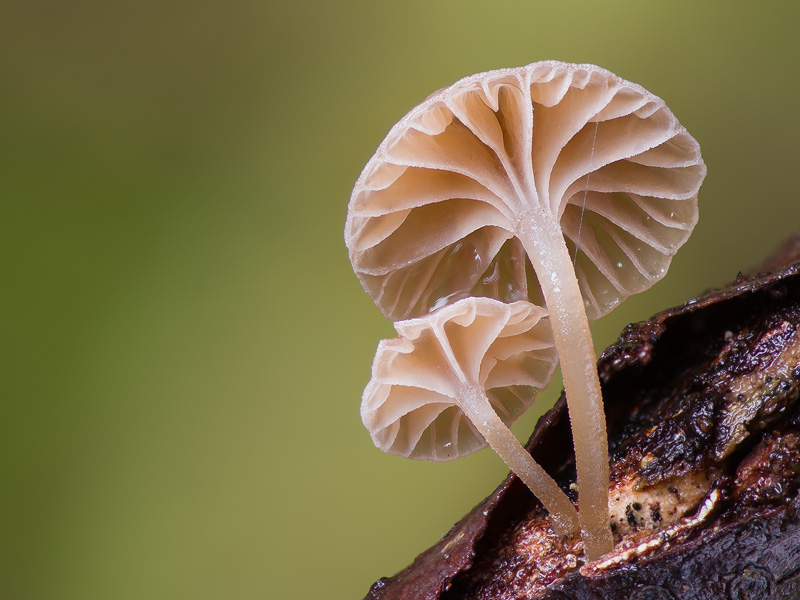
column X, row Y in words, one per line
column 478, row 409
column 544, row 243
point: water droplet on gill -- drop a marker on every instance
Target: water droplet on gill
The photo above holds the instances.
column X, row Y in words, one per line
column 619, row 265
column 513, row 293
column 458, row 265
column 448, row 444
column 672, row 215
column 493, row 275
column 463, row 254
column 449, row 299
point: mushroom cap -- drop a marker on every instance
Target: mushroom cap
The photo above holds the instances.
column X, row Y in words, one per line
column 411, row 404
column 435, row 215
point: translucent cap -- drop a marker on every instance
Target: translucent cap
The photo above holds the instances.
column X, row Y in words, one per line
column 411, row 404
column 435, row 215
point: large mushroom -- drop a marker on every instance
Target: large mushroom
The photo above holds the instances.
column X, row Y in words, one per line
column 455, row 379
column 557, row 183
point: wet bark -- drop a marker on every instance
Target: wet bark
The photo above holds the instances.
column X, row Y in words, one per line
column 703, row 410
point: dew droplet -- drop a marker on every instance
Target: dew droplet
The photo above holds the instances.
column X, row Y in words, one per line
column 493, row 276
column 619, row 265
column 476, row 257
column 447, row 300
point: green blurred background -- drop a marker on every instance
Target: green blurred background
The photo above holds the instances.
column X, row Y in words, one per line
column 183, row 344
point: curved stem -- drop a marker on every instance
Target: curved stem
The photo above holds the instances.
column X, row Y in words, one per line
column 544, row 243
column 479, row 410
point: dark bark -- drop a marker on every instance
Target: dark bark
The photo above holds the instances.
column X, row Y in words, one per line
column 703, row 408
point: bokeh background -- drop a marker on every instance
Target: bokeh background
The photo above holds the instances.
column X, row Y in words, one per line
column 182, row 342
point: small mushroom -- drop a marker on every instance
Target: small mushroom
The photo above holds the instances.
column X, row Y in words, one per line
column 455, row 379
column 555, row 183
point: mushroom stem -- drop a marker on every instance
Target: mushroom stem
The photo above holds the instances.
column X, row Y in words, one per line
column 476, row 406
column 478, row 409
column 544, row 243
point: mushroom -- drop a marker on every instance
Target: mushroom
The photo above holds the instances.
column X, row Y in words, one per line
column 454, row 379
column 555, row 183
